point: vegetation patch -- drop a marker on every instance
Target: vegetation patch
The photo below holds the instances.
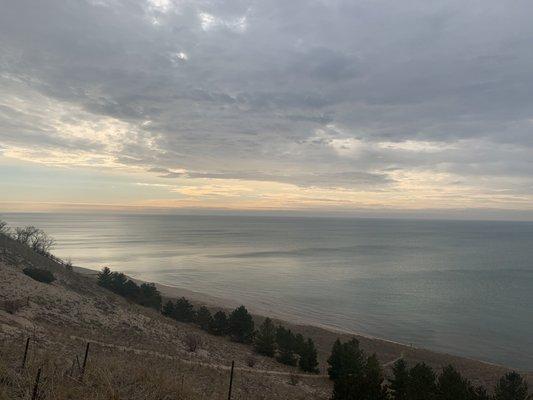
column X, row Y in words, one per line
column 39, row 274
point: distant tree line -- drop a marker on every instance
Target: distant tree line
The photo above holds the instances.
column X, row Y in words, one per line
column 34, row 238
column 146, row 294
column 360, row 377
column 355, row 375
column 269, row 340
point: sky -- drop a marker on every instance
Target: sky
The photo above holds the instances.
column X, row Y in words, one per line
column 367, row 107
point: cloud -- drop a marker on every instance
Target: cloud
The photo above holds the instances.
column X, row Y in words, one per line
column 352, row 95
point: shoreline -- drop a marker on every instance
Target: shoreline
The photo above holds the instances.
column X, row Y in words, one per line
column 325, row 335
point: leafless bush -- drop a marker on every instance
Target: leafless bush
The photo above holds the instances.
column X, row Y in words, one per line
column 192, row 342
column 12, row 306
column 4, row 228
column 68, row 264
column 251, row 361
column 293, row 380
column 35, row 238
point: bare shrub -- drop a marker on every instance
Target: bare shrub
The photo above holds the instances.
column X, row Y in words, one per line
column 12, row 306
column 251, row 361
column 293, row 379
column 34, row 238
column 4, row 228
column 68, row 264
column 192, row 342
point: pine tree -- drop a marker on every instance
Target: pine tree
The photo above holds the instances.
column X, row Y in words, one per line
column 346, row 358
column 241, row 325
column 204, row 318
column 118, row 282
column 150, row 296
column 347, row 387
column 511, row 386
column 168, row 309
column 131, row 291
column 265, row 339
column 479, row 393
column 285, row 344
column 104, row 277
column 373, row 388
column 220, row 325
column 421, row 383
column 183, row 310
column 299, row 344
column 308, row 357
column 400, row 379
column 452, row 386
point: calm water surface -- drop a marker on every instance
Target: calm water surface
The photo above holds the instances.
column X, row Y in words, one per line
column 464, row 288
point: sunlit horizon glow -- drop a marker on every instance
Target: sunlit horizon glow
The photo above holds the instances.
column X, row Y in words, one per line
column 412, row 109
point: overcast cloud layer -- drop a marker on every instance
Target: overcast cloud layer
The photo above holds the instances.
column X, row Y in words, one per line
column 339, row 100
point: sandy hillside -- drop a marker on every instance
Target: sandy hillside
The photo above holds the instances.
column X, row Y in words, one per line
column 61, row 317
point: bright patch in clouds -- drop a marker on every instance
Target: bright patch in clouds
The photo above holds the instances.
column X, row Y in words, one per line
column 209, row 22
column 417, row 146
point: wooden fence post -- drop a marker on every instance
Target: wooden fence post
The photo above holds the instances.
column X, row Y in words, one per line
column 85, row 360
column 231, row 380
column 36, row 385
column 25, row 353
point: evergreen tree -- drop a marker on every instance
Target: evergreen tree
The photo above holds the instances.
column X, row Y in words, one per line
column 118, row 282
column 452, row 386
column 308, row 357
column 479, row 393
column 373, row 388
column 300, row 345
column 168, row 309
column 241, row 325
column 131, row 291
column 204, row 318
column 365, row 385
column 220, row 325
column 183, row 310
column 150, row 296
column 285, row 343
column 104, row 277
column 346, row 358
column 347, row 387
column 511, row 386
column 421, row 383
column 399, row 381
column 265, row 339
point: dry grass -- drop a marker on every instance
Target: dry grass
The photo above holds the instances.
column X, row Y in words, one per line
column 192, row 341
column 114, row 374
column 108, row 376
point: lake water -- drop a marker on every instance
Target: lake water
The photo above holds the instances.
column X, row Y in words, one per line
column 460, row 287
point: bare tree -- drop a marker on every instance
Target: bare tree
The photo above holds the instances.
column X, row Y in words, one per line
column 192, row 341
column 41, row 242
column 294, row 379
column 35, row 238
column 23, row 234
column 4, row 228
column 251, row 361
